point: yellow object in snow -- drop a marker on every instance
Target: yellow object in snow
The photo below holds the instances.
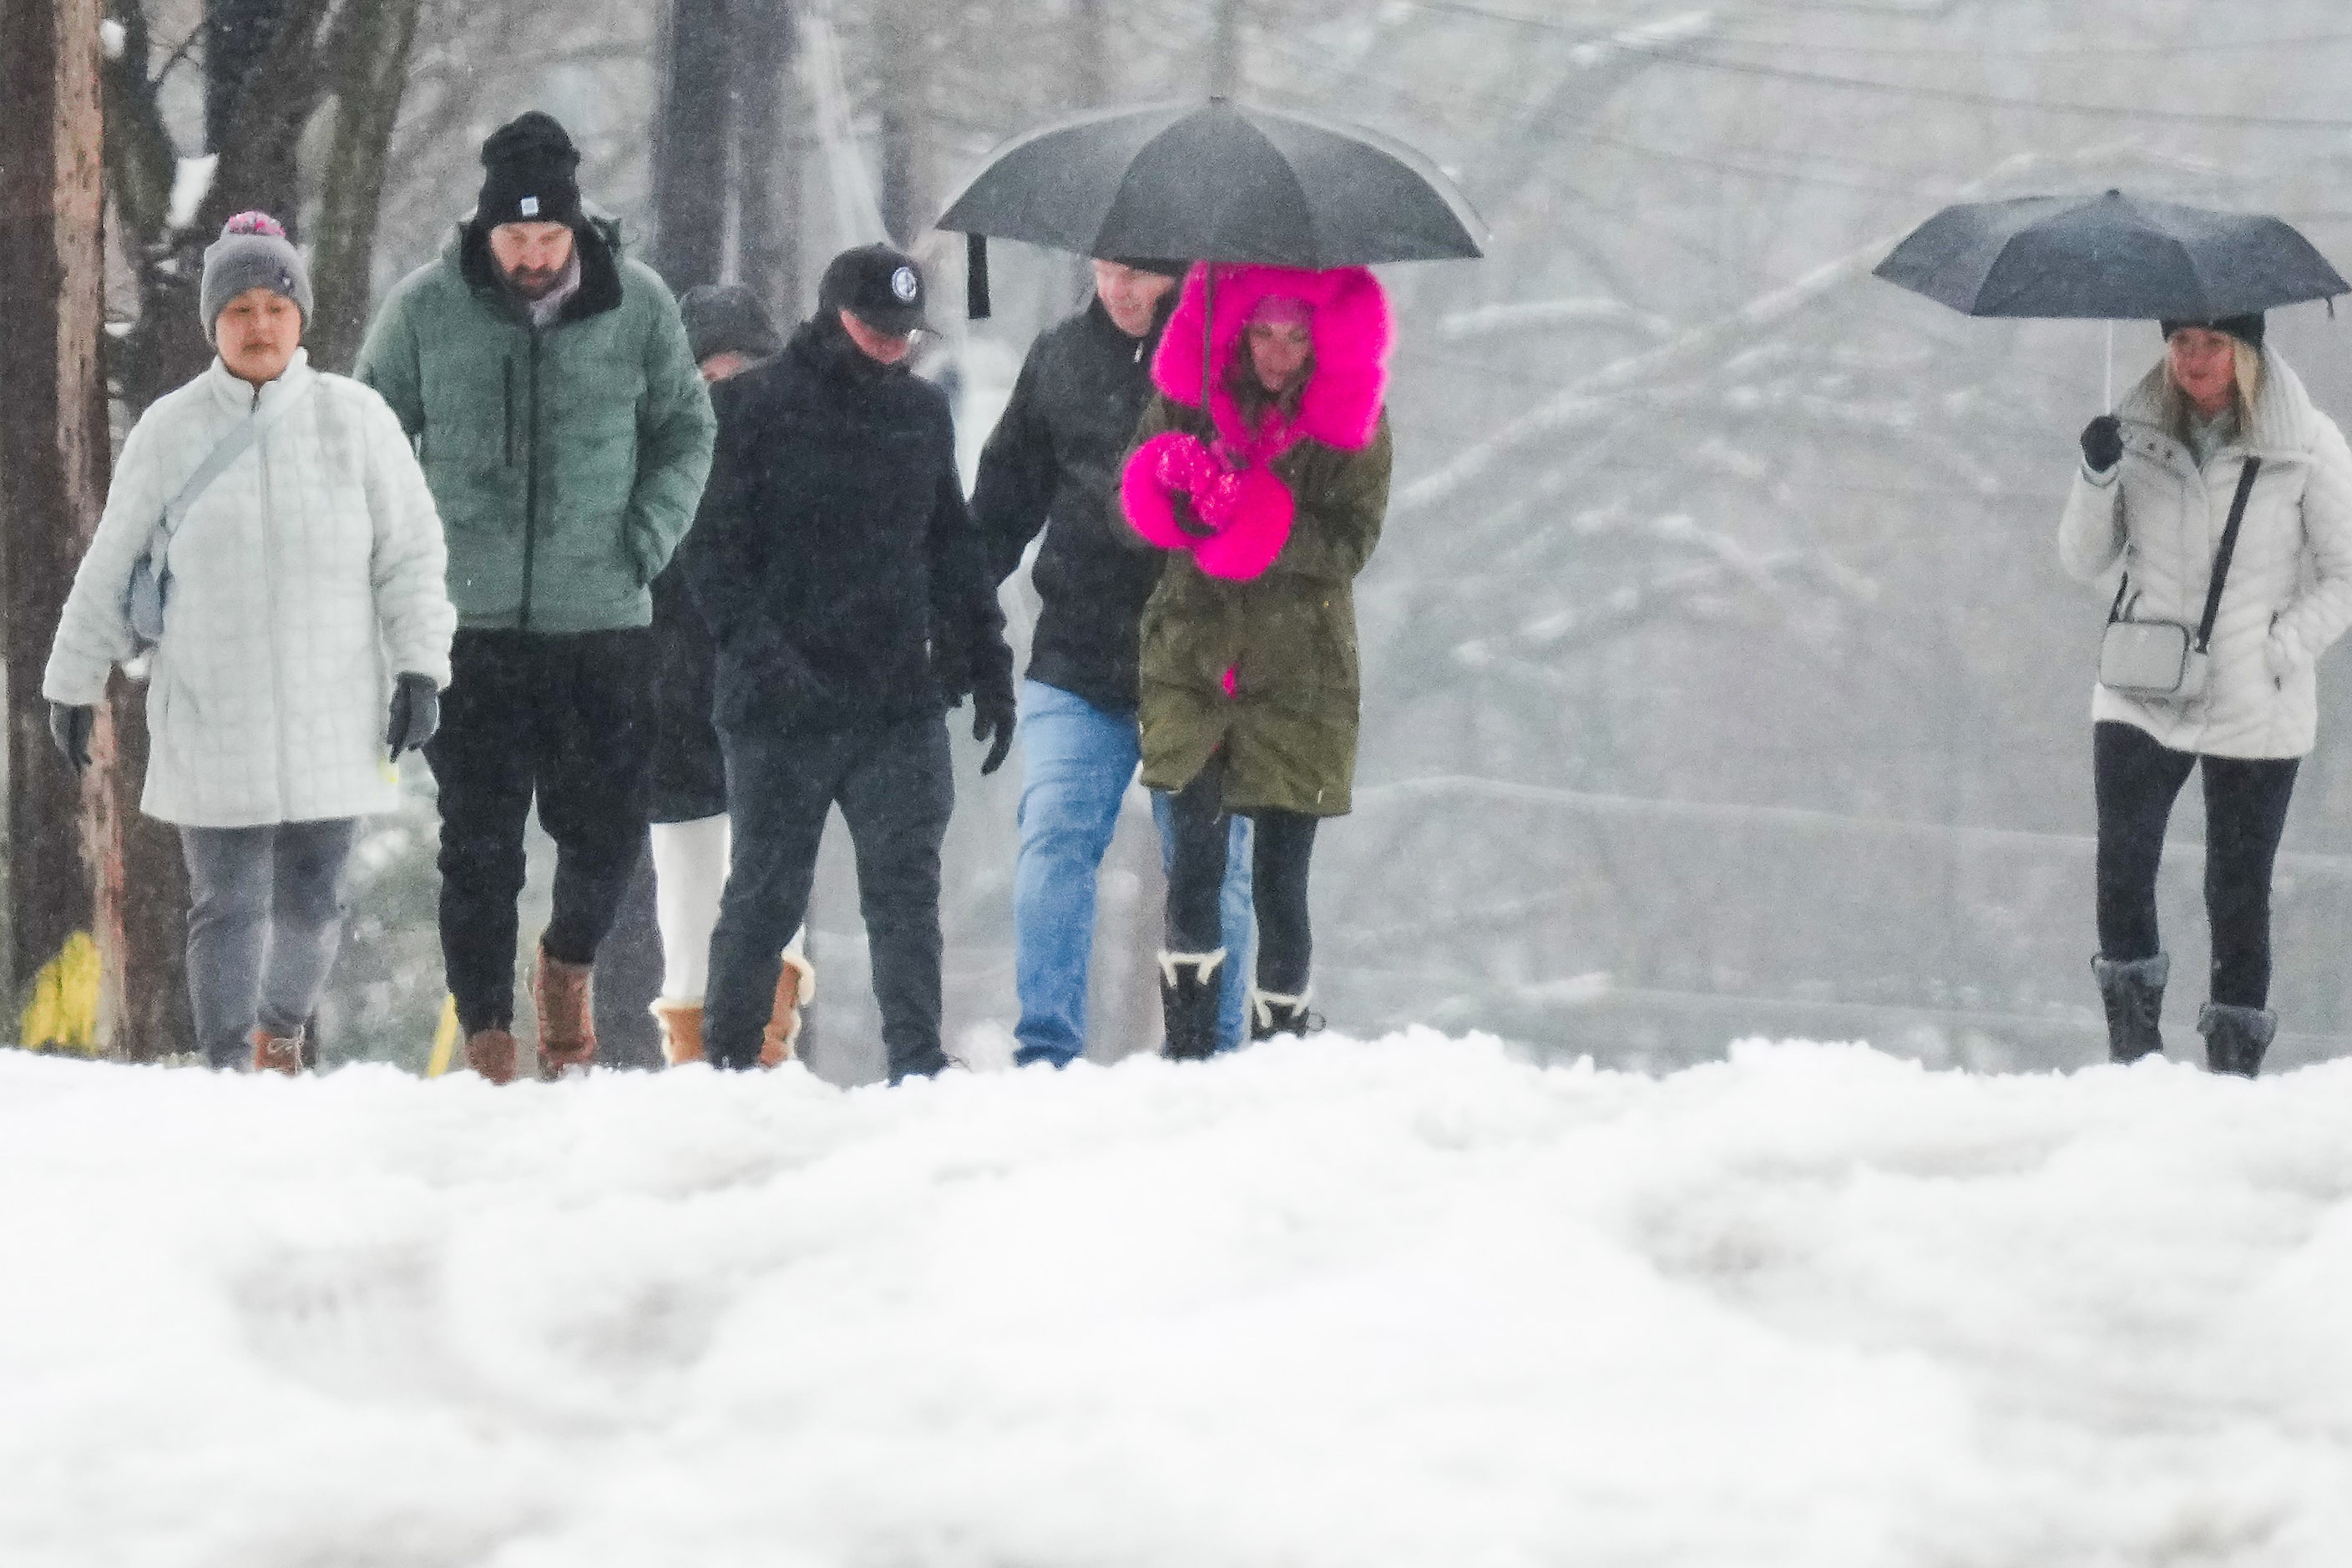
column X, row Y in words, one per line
column 63, row 1011
column 445, row 1040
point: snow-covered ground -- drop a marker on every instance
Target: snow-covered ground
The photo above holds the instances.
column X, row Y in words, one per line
column 1410, row 1302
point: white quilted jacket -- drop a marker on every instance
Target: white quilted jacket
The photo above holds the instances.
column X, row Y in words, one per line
column 2290, row 583
column 308, row 576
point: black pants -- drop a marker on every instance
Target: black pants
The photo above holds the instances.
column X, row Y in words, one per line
column 895, row 790
column 2245, row 810
column 564, row 719
column 1282, row 843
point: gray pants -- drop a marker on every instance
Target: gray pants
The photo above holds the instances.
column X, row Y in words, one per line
column 264, row 918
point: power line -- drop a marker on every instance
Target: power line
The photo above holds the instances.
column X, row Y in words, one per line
column 1496, row 126
column 2058, row 51
column 1670, row 55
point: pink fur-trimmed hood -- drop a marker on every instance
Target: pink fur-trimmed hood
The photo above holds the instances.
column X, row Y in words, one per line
column 1352, row 333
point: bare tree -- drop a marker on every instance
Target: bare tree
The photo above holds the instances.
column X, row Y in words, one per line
column 53, row 434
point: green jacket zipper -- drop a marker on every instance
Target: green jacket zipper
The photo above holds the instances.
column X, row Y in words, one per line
column 530, row 484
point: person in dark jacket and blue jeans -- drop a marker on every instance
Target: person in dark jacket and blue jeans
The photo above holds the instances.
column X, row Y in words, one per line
column 840, row 573
column 1052, row 463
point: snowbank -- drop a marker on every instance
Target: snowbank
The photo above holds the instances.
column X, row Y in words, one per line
column 1413, row 1302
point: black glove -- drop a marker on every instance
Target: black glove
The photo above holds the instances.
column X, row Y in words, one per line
column 950, row 668
column 994, row 715
column 2103, row 443
column 69, row 727
column 416, row 714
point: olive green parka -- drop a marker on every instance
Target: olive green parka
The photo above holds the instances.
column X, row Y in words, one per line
column 1263, row 670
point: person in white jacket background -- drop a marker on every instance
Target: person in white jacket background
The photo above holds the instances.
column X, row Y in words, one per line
column 2154, row 491
column 305, row 640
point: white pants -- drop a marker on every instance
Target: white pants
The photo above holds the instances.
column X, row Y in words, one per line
column 690, row 860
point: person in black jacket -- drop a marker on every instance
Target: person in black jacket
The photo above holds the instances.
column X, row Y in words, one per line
column 839, row 572
column 729, row 330
column 1052, row 462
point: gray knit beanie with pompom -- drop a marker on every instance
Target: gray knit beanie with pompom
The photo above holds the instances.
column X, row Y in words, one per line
column 252, row 252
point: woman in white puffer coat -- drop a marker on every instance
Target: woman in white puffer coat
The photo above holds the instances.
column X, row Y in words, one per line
column 305, row 640
column 2159, row 479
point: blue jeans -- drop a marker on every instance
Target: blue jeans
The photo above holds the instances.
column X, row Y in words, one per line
column 1076, row 761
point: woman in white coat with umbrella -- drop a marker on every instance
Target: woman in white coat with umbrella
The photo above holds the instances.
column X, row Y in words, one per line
column 2216, row 419
column 2227, row 499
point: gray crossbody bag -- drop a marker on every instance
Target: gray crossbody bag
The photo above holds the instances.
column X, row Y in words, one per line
column 2165, row 662
column 150, row 576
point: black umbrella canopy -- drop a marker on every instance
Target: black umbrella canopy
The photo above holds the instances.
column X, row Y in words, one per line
column 1219, row 182
column 2108, row 258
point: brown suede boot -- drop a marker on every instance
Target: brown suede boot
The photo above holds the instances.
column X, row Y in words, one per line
column 564, row 995
column 270, row 1054
column 491, row 1053
column 796, row 985
column 681, row 1028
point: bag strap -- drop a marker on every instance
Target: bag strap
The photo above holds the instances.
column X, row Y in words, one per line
column 2229, row 548
column 227, row 450
column 2220, row 559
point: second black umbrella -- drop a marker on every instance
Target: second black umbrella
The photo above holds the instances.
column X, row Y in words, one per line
column 2108, row 258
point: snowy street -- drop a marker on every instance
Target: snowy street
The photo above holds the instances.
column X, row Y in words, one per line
column 1413, row 1302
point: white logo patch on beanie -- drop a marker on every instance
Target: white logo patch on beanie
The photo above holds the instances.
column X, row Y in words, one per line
column 904, row 284
column 530, row 206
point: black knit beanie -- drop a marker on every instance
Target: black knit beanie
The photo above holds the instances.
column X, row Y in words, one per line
column 727, row 318
column 2247, row 328
column 530, row 164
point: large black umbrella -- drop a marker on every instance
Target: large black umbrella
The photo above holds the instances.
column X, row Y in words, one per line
column 1213, row 181
column 2108, row 258
column 1218, row 182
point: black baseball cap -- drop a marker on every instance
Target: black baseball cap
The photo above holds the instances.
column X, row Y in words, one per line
column 879, row 285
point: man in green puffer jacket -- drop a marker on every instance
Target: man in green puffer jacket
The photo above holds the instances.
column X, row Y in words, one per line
column 565, row 433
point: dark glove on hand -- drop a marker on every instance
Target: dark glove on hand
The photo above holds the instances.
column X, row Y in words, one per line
column 950, row 668
column 416, row 714
column 2103, row 443
column 69, row 727
column 994, row 715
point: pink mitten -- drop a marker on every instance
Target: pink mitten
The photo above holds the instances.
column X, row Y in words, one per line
column 1258, row 509
column 1147, row 488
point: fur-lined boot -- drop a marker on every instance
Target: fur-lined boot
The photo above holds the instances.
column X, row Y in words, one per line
column 795, row 988
column 2133, row 992
column 1271, row 1014
column 1188, row 1003
column 681, row 1030
column 2236, row 1037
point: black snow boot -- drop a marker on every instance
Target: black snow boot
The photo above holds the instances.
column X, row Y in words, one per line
column 2132, row 990
column 2236, row 1037
column 1272, row 1014
column 1188, row 1003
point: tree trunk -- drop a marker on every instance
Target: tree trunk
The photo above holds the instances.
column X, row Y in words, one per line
column 369, row 77
column 270, row 82
column 1225, row 50
column 1090, row 54
column 905, row 115
column 690, row 147
column 769, row 152
column 54, row 452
